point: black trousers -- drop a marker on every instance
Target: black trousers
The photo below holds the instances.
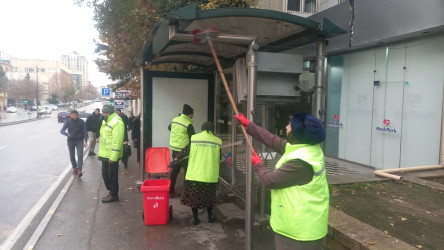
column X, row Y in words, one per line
column 72, row 147
column 176, row 170
column 110, row 174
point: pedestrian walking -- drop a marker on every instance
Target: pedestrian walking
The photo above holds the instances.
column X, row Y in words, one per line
column 93, row 123
column 110, row 151
column 299, row 189
column 182, row 129
column 203, row 171
column 77, row 137
column 131, row 122
column 135, row 135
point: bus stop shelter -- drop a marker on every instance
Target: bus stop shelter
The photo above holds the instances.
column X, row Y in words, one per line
column 253, row 44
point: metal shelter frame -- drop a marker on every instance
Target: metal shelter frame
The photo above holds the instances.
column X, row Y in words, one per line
column 243, row 32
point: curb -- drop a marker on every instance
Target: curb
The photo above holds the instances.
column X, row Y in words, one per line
column 22, row 121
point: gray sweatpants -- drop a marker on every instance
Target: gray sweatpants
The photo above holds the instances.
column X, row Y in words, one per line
column 91, row 140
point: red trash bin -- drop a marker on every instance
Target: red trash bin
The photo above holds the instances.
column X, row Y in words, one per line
column 156, row 201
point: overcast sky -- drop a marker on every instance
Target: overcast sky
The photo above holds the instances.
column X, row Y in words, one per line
column 47, row 29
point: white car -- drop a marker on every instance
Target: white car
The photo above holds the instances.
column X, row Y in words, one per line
column 11, row 109
column 45, row 110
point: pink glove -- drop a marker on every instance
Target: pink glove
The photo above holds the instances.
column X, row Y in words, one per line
column 255, row 159
column 241, row 118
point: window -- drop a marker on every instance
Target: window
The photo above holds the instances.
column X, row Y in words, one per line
column 294, row 5
column 302, row 5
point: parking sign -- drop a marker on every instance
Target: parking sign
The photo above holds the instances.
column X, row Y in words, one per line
column 106, row 91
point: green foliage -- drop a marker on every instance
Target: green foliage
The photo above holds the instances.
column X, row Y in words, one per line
column 3, row 80
column 123, row 26
column 53, row 99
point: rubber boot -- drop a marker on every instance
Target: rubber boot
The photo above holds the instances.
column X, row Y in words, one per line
column 211, row 217
column 195, row 218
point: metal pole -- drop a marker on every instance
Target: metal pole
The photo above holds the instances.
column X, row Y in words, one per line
column 142, row 122
column 37, row 91
column 249, row 213
column 319, row 110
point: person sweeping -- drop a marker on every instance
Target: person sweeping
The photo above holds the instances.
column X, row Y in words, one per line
column 299, row 189
column 203, row 171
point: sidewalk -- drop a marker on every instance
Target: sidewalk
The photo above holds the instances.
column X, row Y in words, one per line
column 82, row 221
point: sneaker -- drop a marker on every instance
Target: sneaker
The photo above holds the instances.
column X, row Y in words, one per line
column 74, row 171
column 110, row 199
column 79, row 173
column 91, row 153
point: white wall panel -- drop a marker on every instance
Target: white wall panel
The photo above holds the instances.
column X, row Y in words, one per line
column 169, row 96
column 423, row 102
column 359, row 107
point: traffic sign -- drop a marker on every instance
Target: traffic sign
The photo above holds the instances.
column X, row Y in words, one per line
column 119, row 104
column 106, row 91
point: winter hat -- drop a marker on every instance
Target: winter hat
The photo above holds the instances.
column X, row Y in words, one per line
column 108, row 109
column 307, row 129
column 208, row 126
column 187, row 109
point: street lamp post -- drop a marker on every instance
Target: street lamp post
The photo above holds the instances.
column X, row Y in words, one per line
column 37, row 90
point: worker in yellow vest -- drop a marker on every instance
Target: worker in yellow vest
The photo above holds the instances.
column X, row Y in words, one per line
column 203, row 171
column 299, row 189
column 182, row 129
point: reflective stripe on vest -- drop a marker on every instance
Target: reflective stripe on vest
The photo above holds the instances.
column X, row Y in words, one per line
column 203, row 164
column 179, row 135
column 301, row 212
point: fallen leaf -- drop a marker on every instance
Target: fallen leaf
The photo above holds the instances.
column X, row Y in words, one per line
column 391, row 224
column 86, row 221
column 138, row 211
column 419, row 246
column 428, row 212
column 385, row 231
column 95, row 198
column 371, row 243
column 393, row 196
column 403, row 219
column 59, row 234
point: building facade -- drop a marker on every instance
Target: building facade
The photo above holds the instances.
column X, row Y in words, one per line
column 48, row 74
column 385, row 83
column 79, row 66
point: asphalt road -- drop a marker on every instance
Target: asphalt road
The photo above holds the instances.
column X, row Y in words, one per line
column 34, row 161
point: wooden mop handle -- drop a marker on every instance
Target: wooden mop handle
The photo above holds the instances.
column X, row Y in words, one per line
column 219, row 68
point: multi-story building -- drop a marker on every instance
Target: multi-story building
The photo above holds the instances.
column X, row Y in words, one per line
column 79, row 66
column 302, row 8
column 48, row 74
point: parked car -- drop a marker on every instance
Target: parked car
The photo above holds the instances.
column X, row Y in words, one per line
column 62, row 116
column 11, row 109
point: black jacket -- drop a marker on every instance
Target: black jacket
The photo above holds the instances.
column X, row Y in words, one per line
column 94, row 122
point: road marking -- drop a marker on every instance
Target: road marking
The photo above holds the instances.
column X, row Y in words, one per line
column 33, row 137
column 2, row 147
column 23, row 225
column 41, row 227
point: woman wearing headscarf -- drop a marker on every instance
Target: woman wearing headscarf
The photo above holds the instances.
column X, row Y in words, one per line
column 299, row 189
column 203, row 171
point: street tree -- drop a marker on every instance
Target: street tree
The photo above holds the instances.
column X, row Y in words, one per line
column 88, row 92
column 123, row 26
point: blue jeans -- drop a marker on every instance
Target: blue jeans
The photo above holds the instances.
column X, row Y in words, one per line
column 72, row 146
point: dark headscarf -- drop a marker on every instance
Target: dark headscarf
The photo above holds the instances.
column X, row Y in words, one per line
column 208, row 126
column 306, row 129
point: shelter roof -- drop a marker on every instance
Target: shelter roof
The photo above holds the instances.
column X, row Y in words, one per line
column 171, row 39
